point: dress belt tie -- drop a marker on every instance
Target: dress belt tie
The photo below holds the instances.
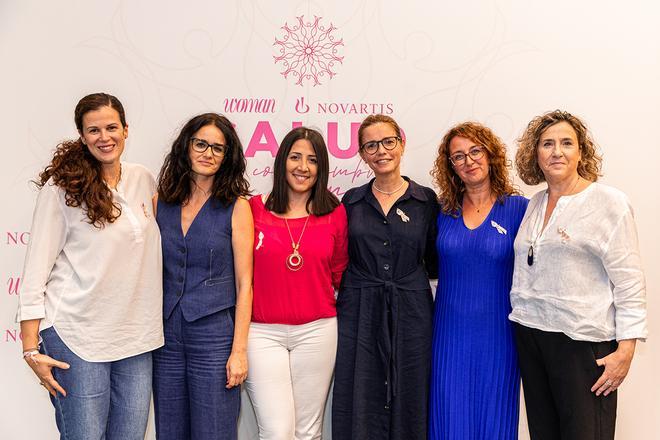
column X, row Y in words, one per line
column 357, row 278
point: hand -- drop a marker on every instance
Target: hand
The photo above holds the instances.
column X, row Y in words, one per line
column 616, row 366
column 237, row 368
column 42, row 366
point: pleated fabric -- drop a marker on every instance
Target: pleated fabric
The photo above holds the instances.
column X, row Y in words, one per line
column 475, row 381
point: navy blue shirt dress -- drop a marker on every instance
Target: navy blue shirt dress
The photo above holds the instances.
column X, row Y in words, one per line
column 385, row 317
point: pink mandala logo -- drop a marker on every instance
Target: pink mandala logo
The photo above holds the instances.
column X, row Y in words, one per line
column 308, row 51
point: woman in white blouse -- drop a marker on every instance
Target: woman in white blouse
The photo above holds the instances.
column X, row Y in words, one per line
column 578, row 293
column 91, row 300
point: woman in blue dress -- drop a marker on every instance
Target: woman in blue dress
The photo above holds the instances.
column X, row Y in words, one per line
column 474, row 375
column 207, row 236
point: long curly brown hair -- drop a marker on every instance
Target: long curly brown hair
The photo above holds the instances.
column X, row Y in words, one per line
column 451, row 186
column 78, row 173
column 527, row 164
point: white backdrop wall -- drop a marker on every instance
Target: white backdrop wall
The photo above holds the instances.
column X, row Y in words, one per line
column 428, row 64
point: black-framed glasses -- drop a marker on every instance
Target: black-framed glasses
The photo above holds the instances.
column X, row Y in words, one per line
column 389, row 143
column 459, row 159
column 200, row 146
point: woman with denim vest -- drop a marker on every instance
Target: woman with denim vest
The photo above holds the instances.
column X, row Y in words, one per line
column 207, row 236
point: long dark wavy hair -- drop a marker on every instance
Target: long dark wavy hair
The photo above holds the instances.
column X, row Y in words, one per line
column 175, row 177
column 78, row 173
column 321, row 201
column 446, row 179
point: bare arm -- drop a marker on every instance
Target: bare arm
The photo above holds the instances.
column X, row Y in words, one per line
column 41, row 364
column 242, row 243
column 154, row 202
column 49, row 229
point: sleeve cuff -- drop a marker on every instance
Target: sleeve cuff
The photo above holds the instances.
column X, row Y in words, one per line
column 640, row 335
column 26, row 313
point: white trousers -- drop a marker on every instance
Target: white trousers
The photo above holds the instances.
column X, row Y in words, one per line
column 290, row 370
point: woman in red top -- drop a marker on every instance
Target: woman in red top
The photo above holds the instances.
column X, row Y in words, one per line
column 300, row 253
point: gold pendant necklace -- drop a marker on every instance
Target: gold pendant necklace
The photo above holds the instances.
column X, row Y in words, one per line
column 295, row 261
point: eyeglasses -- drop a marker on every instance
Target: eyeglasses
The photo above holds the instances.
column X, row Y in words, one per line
column 459, row 159
column 389, row 143
column 200, row 146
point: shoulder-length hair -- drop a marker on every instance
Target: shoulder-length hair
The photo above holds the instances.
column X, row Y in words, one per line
column 175, row 180
column 78, row 173
column 450, row 184
column 321, row 201
column 527, row 164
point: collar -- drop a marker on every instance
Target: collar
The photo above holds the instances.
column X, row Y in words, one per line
column 414, row 190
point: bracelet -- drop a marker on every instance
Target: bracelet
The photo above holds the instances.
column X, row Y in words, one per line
column 30, row 355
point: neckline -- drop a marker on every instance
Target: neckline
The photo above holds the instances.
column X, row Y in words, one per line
column 192, row 223
column 543, row 206
column 120, row 182
column 490, row 212
column 371, row 198
column 570, row 196
column 263, row 206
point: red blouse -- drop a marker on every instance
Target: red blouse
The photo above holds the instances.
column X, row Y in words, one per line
column 283, row 296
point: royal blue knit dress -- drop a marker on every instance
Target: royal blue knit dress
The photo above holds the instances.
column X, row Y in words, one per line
column 475, row 380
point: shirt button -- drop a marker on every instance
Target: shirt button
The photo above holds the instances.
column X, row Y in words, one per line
column 386, row 243
column 384, row 222
column 386, row 266
column 387, row 407
column 385, row 383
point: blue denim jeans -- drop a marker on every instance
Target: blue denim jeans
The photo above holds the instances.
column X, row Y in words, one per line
column 104, row 400
column 190, row 398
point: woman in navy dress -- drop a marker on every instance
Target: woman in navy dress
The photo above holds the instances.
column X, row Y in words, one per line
column 207, row 236
column 474, row 377
column 385, row 306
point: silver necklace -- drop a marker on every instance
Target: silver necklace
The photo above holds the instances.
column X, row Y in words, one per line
column 295, row 261
column 389, row 193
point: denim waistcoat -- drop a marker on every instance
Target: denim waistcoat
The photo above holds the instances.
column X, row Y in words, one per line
column 198, row 269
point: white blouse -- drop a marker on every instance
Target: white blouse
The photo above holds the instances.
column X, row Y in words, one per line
column 586, row 279
column 101, row 289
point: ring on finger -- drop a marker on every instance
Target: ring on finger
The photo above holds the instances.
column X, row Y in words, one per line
column 608, row 382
